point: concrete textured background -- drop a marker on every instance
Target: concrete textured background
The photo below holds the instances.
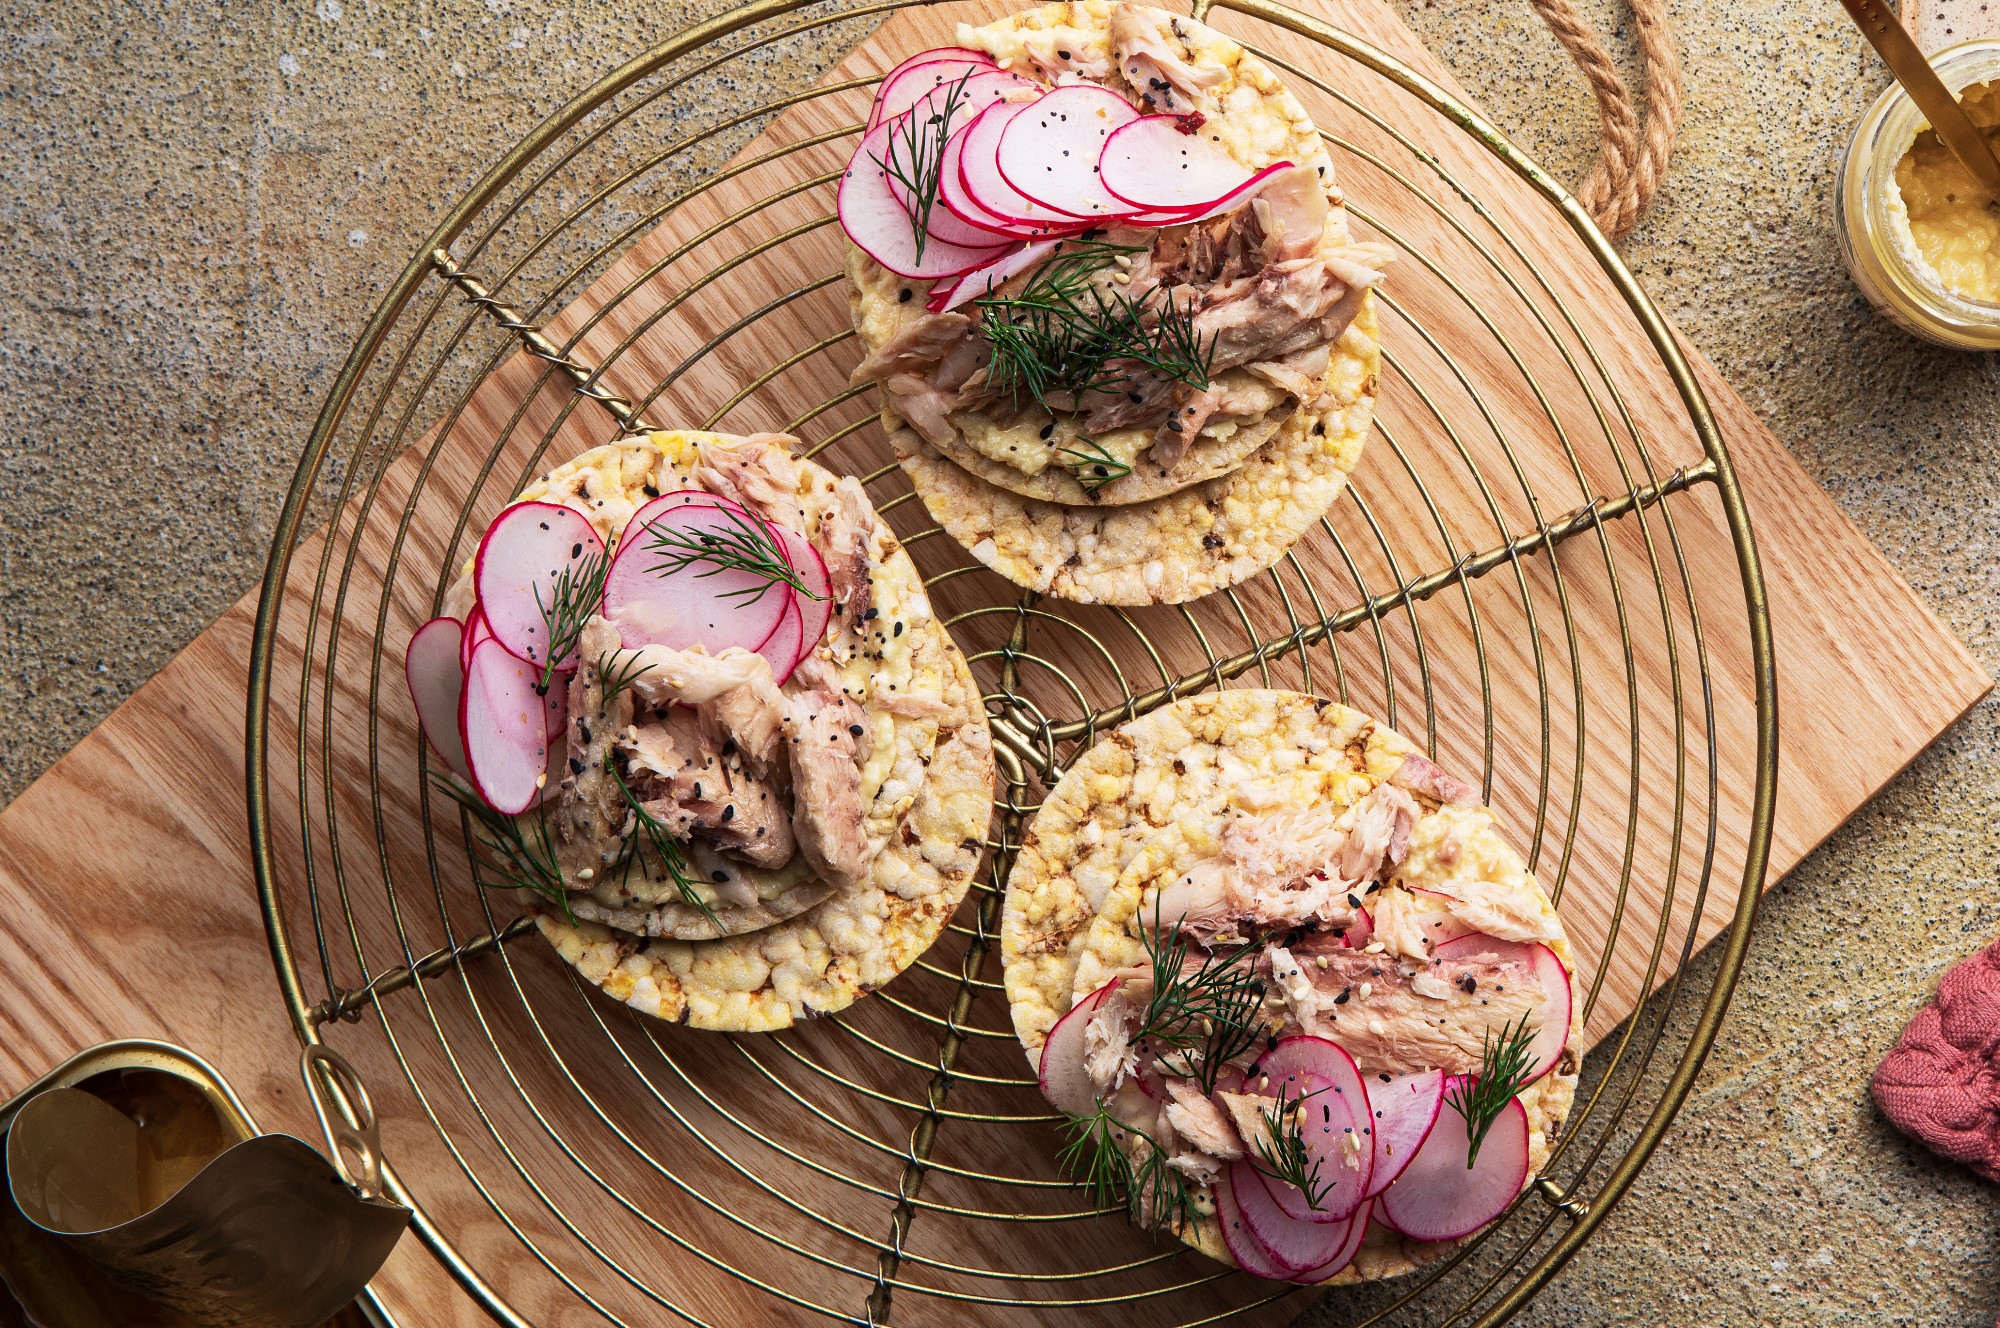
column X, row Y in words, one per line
column 202, row 202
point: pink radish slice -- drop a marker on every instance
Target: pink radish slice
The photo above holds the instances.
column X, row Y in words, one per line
column 476, row 631
column 1294, row 1245
column 1152, row 165
column 1550, row 975
column 1337, row 1111
column 1235, row 198
column 785, row 646
column 1439, row 1198
column 814, row 614
column 981, row 282
column 955, row 193
column 917, row 77
column 555, row 712
column 526, row 550
column 979, row 172
column 1360, row 931
column 876, row 220
column 919, row 123
column 1357, row 1230
column 692, row 606
column 1064, row 1080
column 437, row 681
column 1405, row 1107
column 1049, row 152
column 1252, row 1255
column 501, row 720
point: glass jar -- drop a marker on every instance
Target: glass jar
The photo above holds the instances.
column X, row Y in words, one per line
column 1874, row 227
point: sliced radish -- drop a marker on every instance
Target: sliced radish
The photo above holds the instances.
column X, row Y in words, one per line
column 1549, row 974
column 500, row 718
column 437, row 681
column 476, row 631
column 1333, row 1123
column 1357, row 1229
column 981, row 282
column 1234, row 199
column 1152, row 165
column 979, row 173
column 1294, row 1245
column 1252, row 1255
column 527, row 549
column 692, row 606
column 1049, row 152
column 955, row 194
column 555, row 713
column 1064, row 1080
column 876, row 220
column 785, row 646
column 1440, row 1197
column 815, row 614
column 1404, row 1107
column 914, row 79
column 964, row 101
column 1360, row 931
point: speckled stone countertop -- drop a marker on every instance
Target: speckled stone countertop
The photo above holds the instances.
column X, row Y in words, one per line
column 203, row 201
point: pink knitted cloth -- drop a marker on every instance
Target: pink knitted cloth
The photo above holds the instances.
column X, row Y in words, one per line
column 1941, row 1082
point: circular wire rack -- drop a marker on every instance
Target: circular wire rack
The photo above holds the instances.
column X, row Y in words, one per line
column 1508, row 582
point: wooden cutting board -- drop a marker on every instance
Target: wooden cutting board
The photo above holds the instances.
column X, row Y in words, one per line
column 148, row 809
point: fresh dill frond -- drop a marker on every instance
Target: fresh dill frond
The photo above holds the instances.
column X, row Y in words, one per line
column 665, row 847
column 1206, row 1012
column 1282, row 1153
column 1062, row 277
column 617, row 679
column 1504, row 1065
column 522, row 863
column 914, row 157
column 1093, row 466
column 572, row 602
column 1095, row 1160
column 746, row 546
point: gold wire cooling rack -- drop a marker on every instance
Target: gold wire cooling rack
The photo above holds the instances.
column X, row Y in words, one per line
column 1544, row 572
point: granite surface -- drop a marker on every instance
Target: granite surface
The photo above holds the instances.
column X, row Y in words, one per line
column 203, row 201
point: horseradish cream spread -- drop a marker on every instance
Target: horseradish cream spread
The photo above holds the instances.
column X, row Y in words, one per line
column 1955, row 229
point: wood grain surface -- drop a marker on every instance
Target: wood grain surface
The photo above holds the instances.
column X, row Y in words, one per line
column 581, row 1156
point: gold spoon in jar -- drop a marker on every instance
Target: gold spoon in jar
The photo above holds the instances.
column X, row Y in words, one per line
column 1954, row 128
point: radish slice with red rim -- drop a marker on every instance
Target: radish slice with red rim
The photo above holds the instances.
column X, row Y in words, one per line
column 982, row 282
column 963, row 103
column 476, row 631
column 555, row 711
column 521, row 568
column 1295, row 1246
column 1235, row 198
column 1360, row 931
column 1155, row 167
column 876, row 220
column 1404, row 1107
column 1549, row 975
column 437, row 682
column 1356, row 1228
column 500, row 718
column 979, row 172
column 814, row 614
column 1049, row 152
column 1334, row 1122
column 1252, row 1255
column 1064, row 1080
column 920, row 75
column 785, row 646
column 701, row 603
column 1440, row 1197
column 952, row 194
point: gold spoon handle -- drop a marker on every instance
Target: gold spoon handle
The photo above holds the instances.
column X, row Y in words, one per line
column 1927, row 90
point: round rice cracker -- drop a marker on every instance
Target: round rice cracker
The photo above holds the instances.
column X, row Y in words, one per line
column 608, row 484
column 828, row 957
column 1179, row 547
column 1071, row 921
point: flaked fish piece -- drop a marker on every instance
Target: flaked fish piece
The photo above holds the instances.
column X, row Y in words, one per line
column 1155, row 62
column 1425, row 777
column 759, row 473
column 692, row 788
column 915, row 347
column 1109, row 1057
column 1246, row 1117
column 1054, row 54
column 735, row 689
column 823, row 733
column 1291, row 211
column 1271, row 873
column 1393, row 1016
column 589, row 810
column 844, row 536
column 1377, row 833
column 1200, row 1123
column 1302, row 374
column 923, row 406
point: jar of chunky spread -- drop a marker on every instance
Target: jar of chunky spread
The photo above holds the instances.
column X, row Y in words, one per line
column 1918, row 235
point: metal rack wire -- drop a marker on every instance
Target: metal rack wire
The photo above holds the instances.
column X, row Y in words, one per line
column 573, row 1162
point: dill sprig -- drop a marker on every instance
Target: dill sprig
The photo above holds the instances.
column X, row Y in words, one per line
column 1503, row 1071
column 1093, row 466
column 914, row 158
column 523, row 863
column 1064, row 333
column 617, row 679
column 665, row 847
column 1094, row 1159
column 747, row 546
column 1282, row 1153
column 573, row 601
column 1206, row 1011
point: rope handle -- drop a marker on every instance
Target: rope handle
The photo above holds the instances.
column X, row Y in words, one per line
column 1631, row 162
